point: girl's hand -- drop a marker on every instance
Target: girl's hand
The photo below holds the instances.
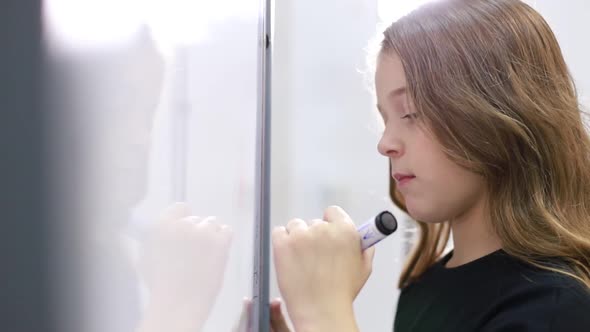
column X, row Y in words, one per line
column 320, row 270
column 278, row 323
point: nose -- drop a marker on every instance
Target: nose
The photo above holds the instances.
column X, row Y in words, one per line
column 390, row 146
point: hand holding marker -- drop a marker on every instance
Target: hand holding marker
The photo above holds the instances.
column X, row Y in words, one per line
column 302, row 272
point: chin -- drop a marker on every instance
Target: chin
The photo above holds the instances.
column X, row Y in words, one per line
column 425, row 215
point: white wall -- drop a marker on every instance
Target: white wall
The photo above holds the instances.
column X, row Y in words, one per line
column 570, row 23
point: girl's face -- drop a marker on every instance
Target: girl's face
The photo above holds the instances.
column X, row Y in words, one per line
column 434, row 188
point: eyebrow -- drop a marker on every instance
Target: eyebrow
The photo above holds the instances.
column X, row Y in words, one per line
column 397, row 92
column 392, row 94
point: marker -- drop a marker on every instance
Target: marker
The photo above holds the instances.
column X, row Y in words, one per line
column 377, row 228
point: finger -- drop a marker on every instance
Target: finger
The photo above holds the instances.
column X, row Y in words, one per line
column 190, row 220
column 314, row 222
column 225, row 228
column 210, row 226
column 228, row 233
column 336, row 214
column 207, row 222
column 222, row 233
column 246, row 306
column 296, row 225
column 243, row 321
column 368, row 256
column 278, row 322
column 181, row 228
column 175, row 211
column 210, row 222
column 278, row 235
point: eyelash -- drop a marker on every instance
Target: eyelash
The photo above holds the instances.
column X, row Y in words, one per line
column 410, row 116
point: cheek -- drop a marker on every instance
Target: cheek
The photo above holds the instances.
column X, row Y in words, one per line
column 442, row 189
column 447, row 196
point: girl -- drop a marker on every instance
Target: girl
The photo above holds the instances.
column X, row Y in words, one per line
column 485, row 138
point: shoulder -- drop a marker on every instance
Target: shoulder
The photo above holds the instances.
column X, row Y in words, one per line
column 572, row 308
column 542, row 301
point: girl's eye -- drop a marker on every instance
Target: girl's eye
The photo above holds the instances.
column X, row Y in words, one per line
column 410, row 116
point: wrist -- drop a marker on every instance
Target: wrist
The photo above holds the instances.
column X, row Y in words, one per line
column 332, row 319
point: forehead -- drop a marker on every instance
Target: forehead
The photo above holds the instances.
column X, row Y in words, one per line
column 389, row 74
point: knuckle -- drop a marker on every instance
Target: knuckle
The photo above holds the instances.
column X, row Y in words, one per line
column 294, row 222
column 300, row 241
column 322, row 230
column 316, row 222
column 277, row 236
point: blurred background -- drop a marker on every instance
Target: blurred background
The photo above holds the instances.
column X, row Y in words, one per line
column 126, row 107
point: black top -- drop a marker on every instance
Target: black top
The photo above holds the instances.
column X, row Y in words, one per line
column 493, row 293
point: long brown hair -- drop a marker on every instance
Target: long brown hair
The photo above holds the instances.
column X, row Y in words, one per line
column 490, row 82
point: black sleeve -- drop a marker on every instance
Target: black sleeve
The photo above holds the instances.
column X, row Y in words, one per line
column 572, row 311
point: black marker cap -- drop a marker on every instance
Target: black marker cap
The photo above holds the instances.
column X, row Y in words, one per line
column 386, row 222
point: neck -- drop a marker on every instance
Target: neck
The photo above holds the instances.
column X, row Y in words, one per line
column 473, row 236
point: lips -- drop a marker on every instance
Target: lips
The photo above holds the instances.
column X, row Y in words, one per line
column 403, row 178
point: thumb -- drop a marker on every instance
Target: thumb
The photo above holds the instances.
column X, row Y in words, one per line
column 368, row 256
column 277, row 319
